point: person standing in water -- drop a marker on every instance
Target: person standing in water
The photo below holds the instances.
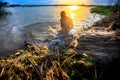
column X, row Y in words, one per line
column 65, row 22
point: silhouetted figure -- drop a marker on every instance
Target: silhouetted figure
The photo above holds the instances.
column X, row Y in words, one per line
column 66, row 22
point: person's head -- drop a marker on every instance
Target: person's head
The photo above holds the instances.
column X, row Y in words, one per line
column 62, row 14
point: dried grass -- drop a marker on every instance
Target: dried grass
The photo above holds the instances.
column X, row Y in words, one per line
column 39, row 63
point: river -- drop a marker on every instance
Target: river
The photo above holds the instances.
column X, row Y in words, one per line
column 34, row 23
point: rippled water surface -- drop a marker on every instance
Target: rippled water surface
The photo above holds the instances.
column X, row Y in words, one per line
column 34, row 23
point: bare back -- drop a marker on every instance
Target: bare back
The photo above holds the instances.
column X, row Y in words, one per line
column 66, row 24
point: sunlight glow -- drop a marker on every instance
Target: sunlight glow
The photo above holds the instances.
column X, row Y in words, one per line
column 77, row 13
column 74, row 2
column 73, row 10
column 73, row 7
column 73, row 15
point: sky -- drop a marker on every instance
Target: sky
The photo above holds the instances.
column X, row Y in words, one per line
column 101, row 2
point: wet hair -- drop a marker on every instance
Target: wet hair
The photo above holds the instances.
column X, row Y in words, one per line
column 63, row 13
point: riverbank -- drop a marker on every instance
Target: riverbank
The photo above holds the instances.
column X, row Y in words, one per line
column 103, row 10
column 90, row 60
column 96, row 56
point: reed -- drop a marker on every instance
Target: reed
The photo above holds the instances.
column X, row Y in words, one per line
column 41, row 63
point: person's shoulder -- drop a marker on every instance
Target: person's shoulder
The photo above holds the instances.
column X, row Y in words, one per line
column 68, row 18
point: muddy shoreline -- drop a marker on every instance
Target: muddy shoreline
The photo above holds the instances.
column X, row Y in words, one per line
column 95, row 56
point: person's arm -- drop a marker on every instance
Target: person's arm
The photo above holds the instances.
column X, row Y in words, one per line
column 71, row 23
column 61, row 24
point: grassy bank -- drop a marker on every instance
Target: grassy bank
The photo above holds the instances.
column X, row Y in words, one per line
column 40, row 63
column 103, row 10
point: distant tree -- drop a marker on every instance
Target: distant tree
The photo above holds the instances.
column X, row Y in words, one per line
column 117, row 5
column 2, row 5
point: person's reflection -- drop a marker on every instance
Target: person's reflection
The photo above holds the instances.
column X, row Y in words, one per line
column 65, row 22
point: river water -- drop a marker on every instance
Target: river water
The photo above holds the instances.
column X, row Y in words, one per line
column 34, row 23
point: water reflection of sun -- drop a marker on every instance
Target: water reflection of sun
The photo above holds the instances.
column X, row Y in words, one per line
column 73, row 7
column 77, row 13
column 73, row 10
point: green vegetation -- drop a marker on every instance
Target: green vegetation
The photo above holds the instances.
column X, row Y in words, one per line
column 106, row 10
column 2, row 5
column 103, row 10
